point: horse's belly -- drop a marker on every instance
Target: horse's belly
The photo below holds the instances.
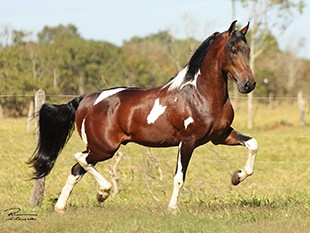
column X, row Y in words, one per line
column 154, row 136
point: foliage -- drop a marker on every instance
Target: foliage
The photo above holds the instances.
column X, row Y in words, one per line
column 62, row 62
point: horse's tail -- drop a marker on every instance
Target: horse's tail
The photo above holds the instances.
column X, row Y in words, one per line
column 56, row 124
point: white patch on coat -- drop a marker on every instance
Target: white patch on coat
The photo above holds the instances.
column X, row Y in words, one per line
column 178, row 80
column 194, row 82
column 108, row 93
column 83, row 133
column 156, row 112
column 188, row 121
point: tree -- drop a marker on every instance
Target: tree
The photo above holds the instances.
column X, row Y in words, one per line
column 74, row 65
column 6, row 34
column 57, row 34
column 16, row 78
column 147, row 60
column 264, row 15
column 19, row 37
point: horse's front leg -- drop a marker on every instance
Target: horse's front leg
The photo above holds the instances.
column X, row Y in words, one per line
column 184, row 155
column 236, row 138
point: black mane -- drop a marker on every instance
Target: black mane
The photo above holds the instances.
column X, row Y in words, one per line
column 197, row 58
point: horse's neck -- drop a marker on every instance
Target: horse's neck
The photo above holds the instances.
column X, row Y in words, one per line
column 212, row 84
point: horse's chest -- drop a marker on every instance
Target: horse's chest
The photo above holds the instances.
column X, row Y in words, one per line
column 223, row 119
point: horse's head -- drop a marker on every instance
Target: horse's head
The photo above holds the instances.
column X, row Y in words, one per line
column 235, row 58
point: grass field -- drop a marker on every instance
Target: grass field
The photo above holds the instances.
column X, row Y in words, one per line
column 275, row 199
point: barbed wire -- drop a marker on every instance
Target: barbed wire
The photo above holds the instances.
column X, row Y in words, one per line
column 32, row 95
column 231, row 97
column 255, row 135
column 217, row 161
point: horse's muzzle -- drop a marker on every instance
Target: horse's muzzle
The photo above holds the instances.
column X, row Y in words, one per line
column 247, row 87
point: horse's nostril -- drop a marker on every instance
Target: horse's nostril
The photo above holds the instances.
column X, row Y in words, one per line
column 247, row 86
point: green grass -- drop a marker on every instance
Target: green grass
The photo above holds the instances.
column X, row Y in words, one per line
column 229, row 214
column 275, row 199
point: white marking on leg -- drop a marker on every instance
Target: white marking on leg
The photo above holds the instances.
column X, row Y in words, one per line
column 248, row 168
column 188, row 121
column 156, row 112
column 108, row 93
column 252, row 146
column 83, row 133
column 178, row 182
column 66, row 191
column 81, row 159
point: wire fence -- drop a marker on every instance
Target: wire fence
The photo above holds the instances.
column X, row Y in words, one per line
column 231, row 97
column 299, row 99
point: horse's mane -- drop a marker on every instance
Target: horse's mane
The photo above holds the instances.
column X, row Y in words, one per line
column 196, row 60
column 190, row 71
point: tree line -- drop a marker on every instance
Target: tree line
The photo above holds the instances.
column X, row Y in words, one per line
column 61, row 61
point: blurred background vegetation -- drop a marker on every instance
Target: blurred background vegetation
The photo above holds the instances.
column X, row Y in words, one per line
column 62, row 62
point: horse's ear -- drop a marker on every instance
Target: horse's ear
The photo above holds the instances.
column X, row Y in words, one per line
column 232, row 27
column 245, row 29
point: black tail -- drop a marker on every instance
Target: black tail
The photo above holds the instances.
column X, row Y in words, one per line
column 56, row 124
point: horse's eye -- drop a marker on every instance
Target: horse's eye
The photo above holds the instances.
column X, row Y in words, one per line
column 234, row 50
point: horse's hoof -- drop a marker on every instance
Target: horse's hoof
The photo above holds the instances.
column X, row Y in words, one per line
column 173, row 210
column 60, row 211
column 235, row 178
column 103, row 194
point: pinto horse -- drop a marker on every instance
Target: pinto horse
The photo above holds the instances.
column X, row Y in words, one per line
column 190, row 110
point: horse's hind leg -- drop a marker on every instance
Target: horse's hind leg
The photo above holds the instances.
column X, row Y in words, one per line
column 75, row 176
column 105, row 186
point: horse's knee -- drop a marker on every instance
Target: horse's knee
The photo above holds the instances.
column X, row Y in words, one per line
column 252, row 145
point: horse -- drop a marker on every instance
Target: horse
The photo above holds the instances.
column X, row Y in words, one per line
column 191, row 109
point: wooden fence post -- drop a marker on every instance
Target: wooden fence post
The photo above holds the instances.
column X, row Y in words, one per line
column 1, row 112
column 39, row 184
column 30, row 116
column 301, row 106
